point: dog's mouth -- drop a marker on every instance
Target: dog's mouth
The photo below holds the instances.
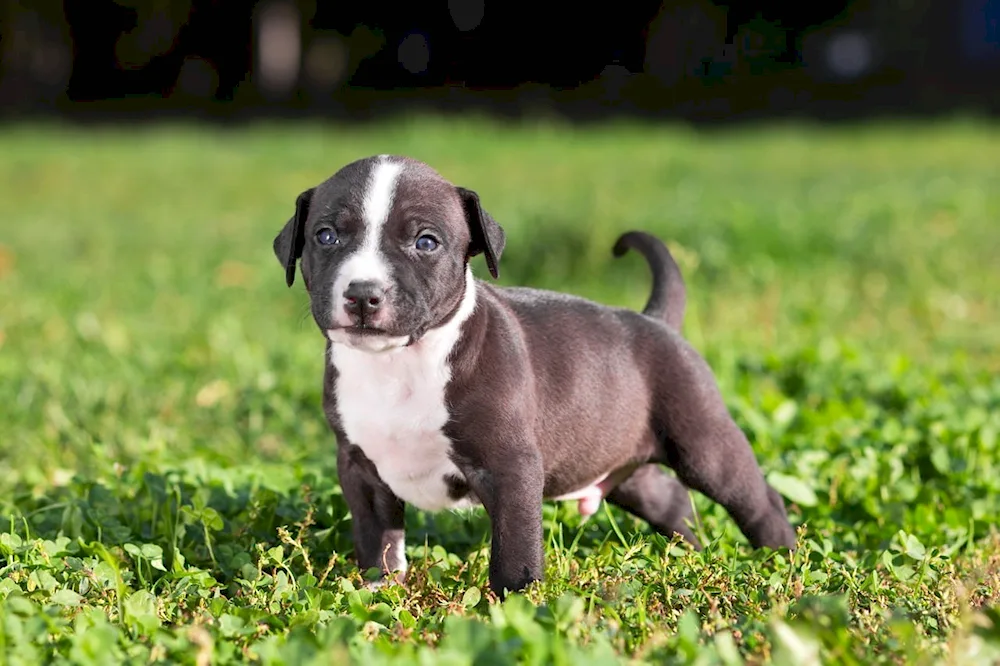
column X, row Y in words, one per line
column 367, row 338
column 362, row 330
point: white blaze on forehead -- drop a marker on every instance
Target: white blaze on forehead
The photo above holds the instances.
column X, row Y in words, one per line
column 379, row 195
column 367, row 263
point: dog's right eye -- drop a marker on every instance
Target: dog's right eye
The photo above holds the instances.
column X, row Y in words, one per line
column 327, row 236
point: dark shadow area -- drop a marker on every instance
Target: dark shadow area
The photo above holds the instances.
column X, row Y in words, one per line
column 693, row 60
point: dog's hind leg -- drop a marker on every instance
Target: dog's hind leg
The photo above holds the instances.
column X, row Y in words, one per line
column 715, row 458
column 659, row 499
column 700, row 441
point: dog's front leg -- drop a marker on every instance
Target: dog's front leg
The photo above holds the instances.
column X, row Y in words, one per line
column 510, row 487
column 377, row 515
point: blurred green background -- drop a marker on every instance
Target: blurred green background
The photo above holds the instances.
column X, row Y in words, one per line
column 137, row 268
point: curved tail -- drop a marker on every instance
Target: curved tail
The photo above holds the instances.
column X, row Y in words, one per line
column 669, row 294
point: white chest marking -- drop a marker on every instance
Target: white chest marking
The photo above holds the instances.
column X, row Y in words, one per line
column 368, row 263
column 392, row 405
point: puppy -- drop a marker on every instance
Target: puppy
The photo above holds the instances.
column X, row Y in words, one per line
column 445, row 391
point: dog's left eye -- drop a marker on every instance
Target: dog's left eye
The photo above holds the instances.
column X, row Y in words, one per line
column 326, row 237
column 427, row 243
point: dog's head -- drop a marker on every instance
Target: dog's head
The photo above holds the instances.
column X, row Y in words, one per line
column 384, row 246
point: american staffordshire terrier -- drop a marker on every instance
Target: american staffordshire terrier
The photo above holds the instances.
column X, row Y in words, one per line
column 445, row 391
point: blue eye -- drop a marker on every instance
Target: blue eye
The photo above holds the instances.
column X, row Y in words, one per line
column 427, row 243
column 327, row 237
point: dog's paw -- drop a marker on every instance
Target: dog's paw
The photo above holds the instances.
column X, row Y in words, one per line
column 373, row 585
column 397, row 578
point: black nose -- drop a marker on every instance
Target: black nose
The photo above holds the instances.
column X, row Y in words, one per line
column 363, row 298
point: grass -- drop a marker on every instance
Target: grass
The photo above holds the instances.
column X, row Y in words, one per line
column 168, row 490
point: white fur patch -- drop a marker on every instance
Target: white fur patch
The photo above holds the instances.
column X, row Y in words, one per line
column 367, row 262
column 392, row 406
column 397, row 563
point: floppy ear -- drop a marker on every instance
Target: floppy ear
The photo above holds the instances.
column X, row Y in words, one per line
column 289, row 243
column 487, row 235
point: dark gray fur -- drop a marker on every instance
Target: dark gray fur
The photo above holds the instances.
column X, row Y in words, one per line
column 548, row 390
